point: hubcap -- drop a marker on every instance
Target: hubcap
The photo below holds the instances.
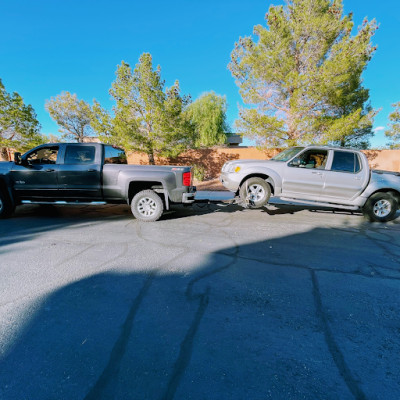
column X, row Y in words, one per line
column 147, row 207
column 382, row 208
column 255, row 192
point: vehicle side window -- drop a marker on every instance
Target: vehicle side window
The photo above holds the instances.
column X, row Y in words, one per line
column 114, row 155
column 314, row 158
column 345, row 161
column 79, row 155
column 44, row 155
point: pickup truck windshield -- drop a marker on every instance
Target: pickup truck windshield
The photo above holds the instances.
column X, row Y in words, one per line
column 287, row 154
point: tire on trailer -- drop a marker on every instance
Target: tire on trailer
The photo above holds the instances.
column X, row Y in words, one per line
column 255, row 192
column 380, row 207
column 6, row 208
column 147, row 206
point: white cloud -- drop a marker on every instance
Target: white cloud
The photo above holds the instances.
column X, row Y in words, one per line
column 379, row 128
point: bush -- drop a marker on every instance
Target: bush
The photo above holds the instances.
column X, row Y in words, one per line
column 199, row 172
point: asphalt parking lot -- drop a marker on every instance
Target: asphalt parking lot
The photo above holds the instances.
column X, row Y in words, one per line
column 211, row 302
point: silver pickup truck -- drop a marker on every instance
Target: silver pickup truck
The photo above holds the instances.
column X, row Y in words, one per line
column 317, row 175
column 92, row 174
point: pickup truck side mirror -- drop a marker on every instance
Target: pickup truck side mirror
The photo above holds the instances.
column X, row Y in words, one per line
column 17, row 158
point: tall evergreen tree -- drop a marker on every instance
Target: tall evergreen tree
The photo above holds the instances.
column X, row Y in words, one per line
column 146, row 117
column 393, row 133
column 301, row 80
column 208, row 114
column 19, row 127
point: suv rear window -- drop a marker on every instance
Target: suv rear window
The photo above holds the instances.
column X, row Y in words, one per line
column 345, row 161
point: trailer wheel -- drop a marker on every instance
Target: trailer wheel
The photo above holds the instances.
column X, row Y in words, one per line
column 147, row 206
column 255, row 192
column 380, row 207
column 6, row 208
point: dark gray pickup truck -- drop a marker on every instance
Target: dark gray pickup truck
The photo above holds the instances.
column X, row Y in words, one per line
column 91, row 173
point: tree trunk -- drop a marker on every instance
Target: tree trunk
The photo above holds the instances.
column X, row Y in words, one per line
column 4, row 154
column 150, row 154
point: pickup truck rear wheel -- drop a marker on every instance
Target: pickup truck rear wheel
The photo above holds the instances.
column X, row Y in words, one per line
column 147, row 206
column 380, row 207
column 6, row 207
column 255, row 192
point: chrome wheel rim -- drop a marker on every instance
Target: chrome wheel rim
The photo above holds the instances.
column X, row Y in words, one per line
column 255, row 192
column 147, row 207
column 382, row 208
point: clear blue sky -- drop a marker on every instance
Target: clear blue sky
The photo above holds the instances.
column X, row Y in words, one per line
column 49, row 46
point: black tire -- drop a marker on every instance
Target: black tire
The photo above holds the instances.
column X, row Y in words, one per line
column 380, row 207
column 147, row 206
column 254, row 193
column 6, row 208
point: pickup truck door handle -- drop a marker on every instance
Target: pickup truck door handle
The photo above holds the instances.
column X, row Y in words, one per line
column 49, row 170
column 91, row 170
column 316, row 173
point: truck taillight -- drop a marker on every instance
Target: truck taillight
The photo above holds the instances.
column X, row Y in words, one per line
column 187, row 179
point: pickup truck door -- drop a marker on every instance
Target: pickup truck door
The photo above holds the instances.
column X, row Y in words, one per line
column 304, row 176
column 79, row 176
column 36, row 177
column 346, row 178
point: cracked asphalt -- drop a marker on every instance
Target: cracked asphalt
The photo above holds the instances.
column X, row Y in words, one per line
column 211, row 302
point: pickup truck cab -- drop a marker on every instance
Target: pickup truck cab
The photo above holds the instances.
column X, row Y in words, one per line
column 318, row 175
column 91, row 173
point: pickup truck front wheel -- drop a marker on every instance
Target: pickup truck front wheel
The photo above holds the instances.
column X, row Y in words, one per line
column 147, row 206
column 6, row 207
column 380, row 207
column 254, row 193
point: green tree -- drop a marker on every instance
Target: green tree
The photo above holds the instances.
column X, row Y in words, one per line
column 208, row 115
column 360, row 137
column 393, row 133
column 146, row 117
column 19, row 127
column 72, row 115
column 301, row 80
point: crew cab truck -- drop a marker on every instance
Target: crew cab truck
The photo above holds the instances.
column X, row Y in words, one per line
column 317, row 175
column 94, row 174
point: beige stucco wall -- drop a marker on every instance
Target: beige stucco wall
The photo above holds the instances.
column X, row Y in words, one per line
column 388, row 160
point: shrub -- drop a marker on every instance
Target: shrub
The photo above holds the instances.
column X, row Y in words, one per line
column 199, row 172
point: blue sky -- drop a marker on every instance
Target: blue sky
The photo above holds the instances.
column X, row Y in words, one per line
column 50, row 46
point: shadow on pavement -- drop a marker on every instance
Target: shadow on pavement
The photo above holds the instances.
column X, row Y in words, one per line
column 305, row 316
column 29, row 221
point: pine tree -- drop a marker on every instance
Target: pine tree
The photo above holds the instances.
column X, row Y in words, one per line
column 146, row 117
column 19, row 127
column 393, row 133
column 301, row 80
